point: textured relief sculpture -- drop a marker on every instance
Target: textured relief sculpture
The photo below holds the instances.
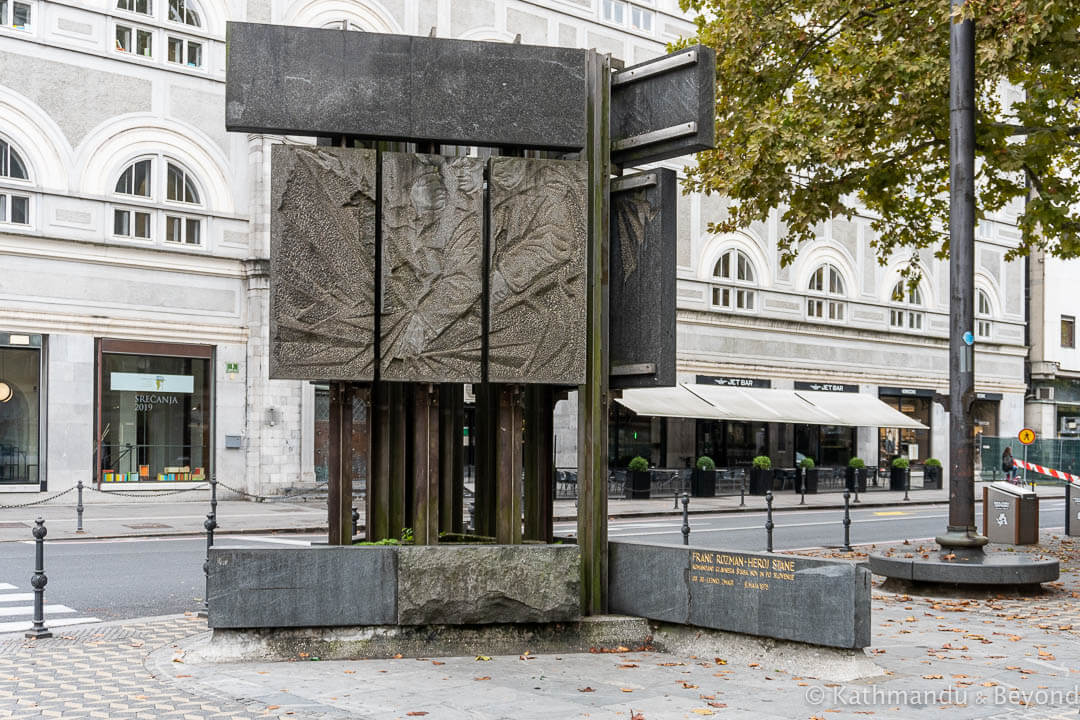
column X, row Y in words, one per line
column 432, row 215
column 322, row 263
column 537, row 271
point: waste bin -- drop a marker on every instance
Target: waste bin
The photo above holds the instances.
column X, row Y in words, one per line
column 1072, row 510
column 1010, row 514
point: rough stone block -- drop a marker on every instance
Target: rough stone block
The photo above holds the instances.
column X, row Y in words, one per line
column 310, row 81
column 537, row 271
column 432, row 261
column 301, row 587
column 667, row 95
column 488, row 584
column 821, row 602
column 643, row 246
column 322, row 263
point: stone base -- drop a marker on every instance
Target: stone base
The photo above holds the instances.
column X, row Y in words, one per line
column 967, row 568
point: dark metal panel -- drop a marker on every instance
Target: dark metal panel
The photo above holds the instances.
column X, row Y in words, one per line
column 309, row 81
column 643, row 246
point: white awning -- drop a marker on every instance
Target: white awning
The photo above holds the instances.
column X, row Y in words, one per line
column 859, row 409
column 716, row 402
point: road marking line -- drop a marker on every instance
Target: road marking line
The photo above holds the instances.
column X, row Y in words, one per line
column 6, row 586
column 894, row 512
column 16, row 597
column 276, row 541
column 21, row 625
column 29, row 610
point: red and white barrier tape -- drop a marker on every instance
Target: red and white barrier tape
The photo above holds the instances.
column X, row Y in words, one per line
column 1047, row 471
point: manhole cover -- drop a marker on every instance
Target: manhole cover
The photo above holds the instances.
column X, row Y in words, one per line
column 13, row 525
column 148, row 526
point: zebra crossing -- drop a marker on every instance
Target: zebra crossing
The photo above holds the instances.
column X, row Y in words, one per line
column 17, row 611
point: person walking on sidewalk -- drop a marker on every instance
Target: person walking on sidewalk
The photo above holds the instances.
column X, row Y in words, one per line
column 1008, row 465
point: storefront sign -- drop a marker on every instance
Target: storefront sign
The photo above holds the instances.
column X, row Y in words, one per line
column 733, row 381
column 151, row 382
column 910, row 392
column 826, row 387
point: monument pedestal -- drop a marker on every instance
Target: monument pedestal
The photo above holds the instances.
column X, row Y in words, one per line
column 957, row 566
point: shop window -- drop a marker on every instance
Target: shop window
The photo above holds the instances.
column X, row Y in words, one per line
column 17, row 15
column 906, row 442
column 906, row 317
column 156, row 410
column 134, row 40
column 177, row 218
column 20, row 409
column 1068, row 331
column 826, row 281
column 183, row 51
column 983, row 313
column 734, row 267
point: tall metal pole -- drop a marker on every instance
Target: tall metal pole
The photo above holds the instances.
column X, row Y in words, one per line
column 961, row 532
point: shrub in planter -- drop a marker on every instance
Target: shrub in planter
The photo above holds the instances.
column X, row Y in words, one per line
column 898, row 475
column 932, row 474
column 637, row 479
column 808, row 480
column 761, row 475
column 703, row 478
column 856, row 475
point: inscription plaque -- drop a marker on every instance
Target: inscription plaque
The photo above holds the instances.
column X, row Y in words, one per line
column 322, row 263
column 537, row 271
column 432, row 217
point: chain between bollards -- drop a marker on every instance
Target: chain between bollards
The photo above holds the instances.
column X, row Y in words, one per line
column 38, row 582
column 847, row 520
column 907, row 481
column 768, row 521
column 79, row 509
column 685, row 518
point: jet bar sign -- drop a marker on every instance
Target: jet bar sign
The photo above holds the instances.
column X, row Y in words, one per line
column 151, row 382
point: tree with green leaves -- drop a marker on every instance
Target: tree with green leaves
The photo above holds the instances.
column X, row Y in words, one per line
column 831, row 107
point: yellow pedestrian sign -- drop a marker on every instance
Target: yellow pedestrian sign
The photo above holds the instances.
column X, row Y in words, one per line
column 1026, row 436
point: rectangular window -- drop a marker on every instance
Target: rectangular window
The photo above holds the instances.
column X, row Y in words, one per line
column 914, row 321
column 721, row 297
column 185, row 52
column 191, row 231
column 144, row 43
column 142, row 225
column 836, row 311
column 174, row 228
column 815, row 308
column 194, row 54
column 20, row 409
column 896, row 318
column 615, row 11
column 123, row 38
column 20, row 210
column 122, row 224
column 1068, row 331
column 20, row 16
column 157, row 409
column 982, row 328
column 744, row 299
column 176, row 50
column 641, row 18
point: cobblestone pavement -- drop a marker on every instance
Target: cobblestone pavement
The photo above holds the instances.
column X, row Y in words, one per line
column 993, row 656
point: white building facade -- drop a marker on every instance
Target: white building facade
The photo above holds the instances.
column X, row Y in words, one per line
column 134, row 237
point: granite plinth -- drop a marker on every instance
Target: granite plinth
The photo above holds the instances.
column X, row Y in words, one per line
column 488, row 584
column 322, row 263
column 310, row 81
column 432, row 255
column 301, row 587
column 821, row 602
column 643, row 246
column 537, row 271
column 965, row 568
column 649, row 115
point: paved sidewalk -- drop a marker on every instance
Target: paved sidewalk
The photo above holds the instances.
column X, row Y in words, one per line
column 148, row 516
column 992, row 656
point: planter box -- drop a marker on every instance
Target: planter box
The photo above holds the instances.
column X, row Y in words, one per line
column 931, row 478
column 897, row 478
column 808, row 476
column 855, row 479
column 760, row 481
column 703, row 483
column 637, row 485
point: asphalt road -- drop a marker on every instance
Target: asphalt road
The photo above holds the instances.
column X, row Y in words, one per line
column 114, row 579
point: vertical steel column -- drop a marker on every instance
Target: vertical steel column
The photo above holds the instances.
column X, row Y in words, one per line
column 425, row 465
column 397, row 447
column 339, row 485
column 961, row 531
column 593, row 395
column 539, row 463
column 449, row 438
column 487, row 409
column 508, row 466
column 377, row 507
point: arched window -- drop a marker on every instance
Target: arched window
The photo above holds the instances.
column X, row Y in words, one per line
column 14, row 206
column 141, row 182
column 904, row 317
column 827, row 283
column 736, row 271
column 983, row 314
column 185, row 11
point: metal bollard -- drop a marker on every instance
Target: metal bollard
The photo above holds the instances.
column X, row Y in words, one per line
column 38, row 581
column 847, row 520
column 768, row 521
column 802, row 474
column 742, row 491
column 213, row 495
column 79, row 508
column 355, row 520
column 676, row 496
column 210, row 524
column 907, row 482
column 685, row 518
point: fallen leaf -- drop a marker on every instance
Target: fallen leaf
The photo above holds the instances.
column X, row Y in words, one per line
column 416, row 713
column 720, row 661
column 628, row 665
column 482, row 658
column 718, row 704
column 933, row 677
column 627, row 689
column 436, row 662
column 688, row 686
column 485, row 677
column 703, row 711
column 585, row 689
column 350, row 672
